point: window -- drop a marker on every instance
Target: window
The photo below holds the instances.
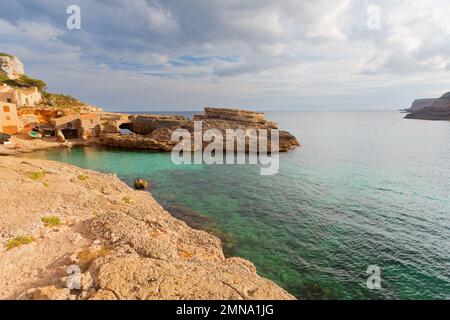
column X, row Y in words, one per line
column 8, row 118
column 6, row 109
column 9, row 100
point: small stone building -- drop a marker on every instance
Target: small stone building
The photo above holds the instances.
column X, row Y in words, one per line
column 90, row 125
column 20, row 96
column 69, row 125
column 9, row 120
column 82, row 126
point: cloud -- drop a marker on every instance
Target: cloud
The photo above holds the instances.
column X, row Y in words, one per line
column 415, row 37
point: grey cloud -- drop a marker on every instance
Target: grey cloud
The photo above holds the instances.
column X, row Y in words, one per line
column 115, row 30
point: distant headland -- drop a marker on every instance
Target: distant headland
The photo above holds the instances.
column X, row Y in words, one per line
column 430, row 109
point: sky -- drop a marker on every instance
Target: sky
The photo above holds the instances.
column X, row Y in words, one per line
column 134, row 55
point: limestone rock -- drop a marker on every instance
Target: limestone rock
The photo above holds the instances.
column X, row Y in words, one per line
column 103, row 295
column 146, row 278
column 134, row 142
column 51, row 293
column 11, row 66
column 154, row 132
column 125, row 250
column 60, row 136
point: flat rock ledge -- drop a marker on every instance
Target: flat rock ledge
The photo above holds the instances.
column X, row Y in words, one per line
column 124, row 244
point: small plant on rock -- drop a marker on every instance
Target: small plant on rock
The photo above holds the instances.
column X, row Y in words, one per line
column 128, row 200
column 19, row 241
column 83, row 177
column 37, row 175
column 51, row 221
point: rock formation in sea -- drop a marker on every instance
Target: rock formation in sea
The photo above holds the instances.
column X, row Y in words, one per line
column 154, row 131
column 70, row 233
column 431, row 109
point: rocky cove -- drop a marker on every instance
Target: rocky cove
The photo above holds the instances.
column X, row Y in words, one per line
column 71, row 233
column 124, row 243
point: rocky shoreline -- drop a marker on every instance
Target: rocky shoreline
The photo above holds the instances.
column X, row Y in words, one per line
column 150, row 131
column 125, row 244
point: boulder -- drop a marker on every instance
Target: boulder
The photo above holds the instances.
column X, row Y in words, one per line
column 140, row 184
column 60, row 136
column 51, row 293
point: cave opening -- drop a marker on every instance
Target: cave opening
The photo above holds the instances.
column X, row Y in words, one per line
column 70, row 133
column 127, row 128
column 136, row 128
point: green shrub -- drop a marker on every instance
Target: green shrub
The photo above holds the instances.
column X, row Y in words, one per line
column 6, row 55
column 96, row 214
column 37, row 175
column 19, row 241
column 3, row 78
column 59, row 100
column 83, row 177
column 26, row 82
column 51, row 221
column 128, row 200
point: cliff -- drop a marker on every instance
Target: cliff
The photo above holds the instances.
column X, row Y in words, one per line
column 10, row 66
column 432, row 109
column 420, row 104
column 124, row 243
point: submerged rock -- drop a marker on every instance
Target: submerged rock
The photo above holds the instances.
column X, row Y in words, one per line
column 141, row 184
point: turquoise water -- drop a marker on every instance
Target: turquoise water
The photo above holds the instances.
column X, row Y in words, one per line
column 365, row 188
